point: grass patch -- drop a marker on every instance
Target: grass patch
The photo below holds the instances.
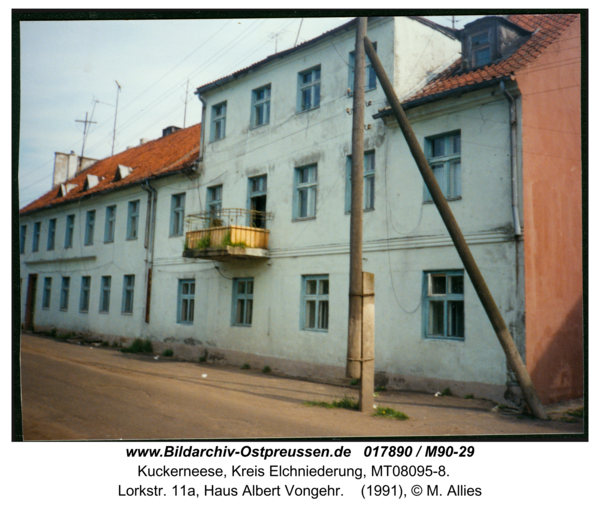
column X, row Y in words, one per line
column 380, row 388
column 468, row 396
column 354, row 381
column 167, row 353
column 227, row 241
column 105, row 344
column 204, row 242
column 345, row 402
column 266, row 369
column 66, row 335
column 578, row 413
column 139, row 346
column 390, row 413
column 245, row 366
column 202, row 359
column 447, row 392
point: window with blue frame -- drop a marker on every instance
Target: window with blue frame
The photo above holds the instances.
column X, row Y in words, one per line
column 315, row 303
column 305, row 192
column 51, row 234
column 128, row 288
column 370, row 77
column 133, row 216
column 243, row 294
column 36, row 237
column 105, row 283
column 309, row 89
column 257, row 198
column 90, row 221
column 368, row 179
column 185, row 301
column 47, row 293
column 22, row 238
column 109, row 225
column 261, row 106
column 443, row 155
column 444, row 305
column 84, row 297
column 214, row 203
column 219, row 116
column 177, row 214
column 64, row 293
column 69, row 231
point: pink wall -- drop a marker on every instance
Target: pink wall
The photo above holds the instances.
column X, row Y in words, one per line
column 551, row 117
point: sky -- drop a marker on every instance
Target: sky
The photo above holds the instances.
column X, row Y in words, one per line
column 71, row 68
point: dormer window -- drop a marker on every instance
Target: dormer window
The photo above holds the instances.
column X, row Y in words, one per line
column 481, row 49
column 122, row 172
column 65, row 188
column 90, row 181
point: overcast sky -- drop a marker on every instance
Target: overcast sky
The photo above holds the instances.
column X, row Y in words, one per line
column 70, row 68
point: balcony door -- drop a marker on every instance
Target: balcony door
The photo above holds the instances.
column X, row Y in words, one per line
column 258, row 201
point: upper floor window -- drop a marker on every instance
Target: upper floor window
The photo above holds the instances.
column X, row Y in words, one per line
column 133, row 216
column 51, row 234
column 243, row 295
column 315, row 298
column 370, row 77
column 368, row 179
column 257, row 197
column 219, row 112
column 309, row 89
column 443, row 305
column 305, row 192
column 215, row 203
column 261, row 106
column 69, row 231
column 481, row 48
column 109, row 228
column 177, row 214
column 90, row 221
column 22, row 238
column 443, row 155
column 36, row 236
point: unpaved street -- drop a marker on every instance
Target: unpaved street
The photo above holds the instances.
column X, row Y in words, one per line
column 78, row 392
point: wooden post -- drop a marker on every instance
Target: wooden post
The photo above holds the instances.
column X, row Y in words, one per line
column 485, row 296
column 367, row 378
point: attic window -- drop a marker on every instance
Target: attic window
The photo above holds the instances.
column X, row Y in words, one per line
column 65, row 188
column 122, row 172
column 481, row 48
column 90, row 181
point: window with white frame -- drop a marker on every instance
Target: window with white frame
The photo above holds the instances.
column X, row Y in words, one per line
column 109, row 225
column 105, row 283
column 370, row 76
column 443, row 155
column 309, row 89
column 128, row 288
column 90, row 221
column 315, row 303
column 243, row 294
column 368, row 179
column 177, row 214
column 84, row 296
column 69, row 231
column 47, row 293
column 22, row 238
column 133, row 216
column 261, row 106
column 36, row 237
column 214, row 203
column 305, row 192
column 64, row 293
column 443, row 305
column 219, row 114
column 185, row 302
column 51, row 234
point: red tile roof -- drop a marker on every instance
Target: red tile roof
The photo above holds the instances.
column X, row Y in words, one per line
column 153, row 159
column 546, row 29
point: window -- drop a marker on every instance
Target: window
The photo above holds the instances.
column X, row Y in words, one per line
column 219, row 112
column 443, row 305
column 64, row 293
column 133, row 216
column 369, row 182
column 47, row 293
column 36, row 236
column 185, row 306
column 128, row 287
column 370, row 76
column 309, row 88
column 261, row 106
column 109, row 227
column 215, row 202
column 177, row 214
column 315, row 299
column 243, row 290
column 84, row 298
column 481, row 48
column 90, row 220
column 443, row 155
column 22, row 238
column 105, row 294
column 305, row 194
column 257, row 197
column 51, row 234
column 69, row 231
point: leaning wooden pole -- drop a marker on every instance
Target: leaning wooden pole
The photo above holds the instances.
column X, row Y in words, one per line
column 485, row 296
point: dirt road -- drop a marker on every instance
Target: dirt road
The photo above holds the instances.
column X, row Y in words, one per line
column 78, row 392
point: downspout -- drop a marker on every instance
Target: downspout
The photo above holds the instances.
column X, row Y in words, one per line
column 513, row 158
column 149, row 241
column 203, row 125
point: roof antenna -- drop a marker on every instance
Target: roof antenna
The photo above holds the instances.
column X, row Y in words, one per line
column 298, row 35
column 86, row 130
column 115, row 126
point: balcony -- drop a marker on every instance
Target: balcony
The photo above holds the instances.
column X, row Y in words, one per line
column 227, row 234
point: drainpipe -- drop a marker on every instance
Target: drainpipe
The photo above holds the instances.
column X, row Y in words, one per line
column 203, row 126
column 149, row 241
column 513, row 157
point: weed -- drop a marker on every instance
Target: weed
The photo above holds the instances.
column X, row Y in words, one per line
column 390, row 413
column 447, row 392
column 139, row 346
column 354, row 381
column 52, row 332
column 227, row 241
column 576, row 413
column 380, row 388
column 167, row 353
column 266, row 369
column 204, row 242
column 468, row 396
column 245, row 366
column 105, row 344
column 202, row 359
column 502, row 406
column 66, row 335
column 345, row 402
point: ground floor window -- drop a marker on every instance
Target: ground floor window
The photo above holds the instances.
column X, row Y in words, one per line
column 84, row 298
column 315, row 303
column 128, row 287
column 185, row 305
column 47, row 292
column 243, row 294
column 105, row 294
column 443, row 305
column 64, row 293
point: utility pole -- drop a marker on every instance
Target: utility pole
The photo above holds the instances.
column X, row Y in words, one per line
column 356, row 354
column 479, row 284
column 115, row 126
column 186, row 98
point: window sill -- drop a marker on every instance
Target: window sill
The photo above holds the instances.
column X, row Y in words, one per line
column 214, row 141
column 109, row 241
column 174, row 235
column 241, row 325
column 185, row 323
column 351, row 94
column 315, row 330
column 259, row 126
column 309, row 109
column 364, row 210
column 442, row 338
column 455, row 198
column 127, row 314
column 64, row 310
column 300, row 219
column 84, row 311
column 132, row 238
column 103, row 312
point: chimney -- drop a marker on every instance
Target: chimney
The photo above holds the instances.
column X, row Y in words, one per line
column 144, row 140
column 170, row 130
column 66, row 166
